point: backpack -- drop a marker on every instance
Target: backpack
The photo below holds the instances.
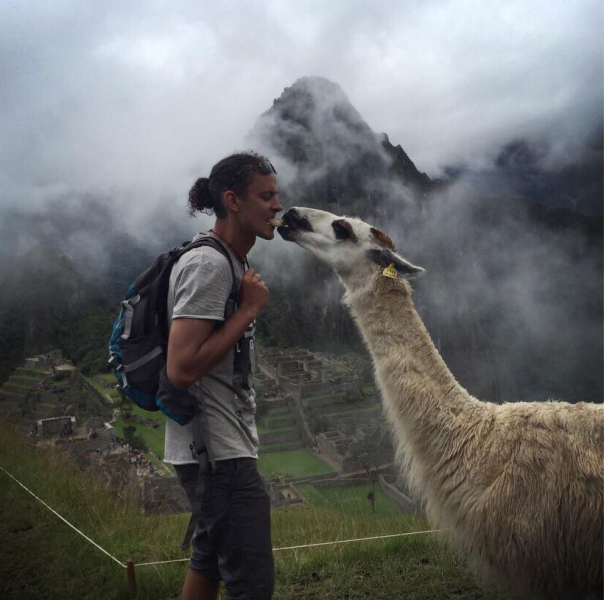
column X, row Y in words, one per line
column 139, row 339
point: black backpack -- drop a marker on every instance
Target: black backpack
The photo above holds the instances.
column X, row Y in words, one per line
column 139, row 340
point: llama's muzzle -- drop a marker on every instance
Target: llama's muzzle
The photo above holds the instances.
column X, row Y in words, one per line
column 293, row 222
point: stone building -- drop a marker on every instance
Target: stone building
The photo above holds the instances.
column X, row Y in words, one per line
column 55, row 426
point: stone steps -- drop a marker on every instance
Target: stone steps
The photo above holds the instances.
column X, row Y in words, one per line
column 11, row 407
column 281, row 446
column 11, row 396
column 275, row 404
column 17, row 389
column 282, row 436
column 40, row 375
column 45, row 412
column 278, row 411
column 320, row 403
column 23, row 380
column 333, row 409
column 279, row 422
column 361, row 413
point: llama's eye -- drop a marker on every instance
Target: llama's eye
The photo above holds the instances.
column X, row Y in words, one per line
column 343, row 230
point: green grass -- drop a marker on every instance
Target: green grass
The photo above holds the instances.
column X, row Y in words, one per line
column 278, row 411
column 276, row 417
column 153, row 438
column 324, row 400
column 27, row 379
column 22, row 385
column 40, row 370
column 47, row 404
column 280, row 445
column 43, row 558
column 108, row 377
column 110, row 393
column 361, row 407
column 12, row 393
column 266, row 430
column 351, row 500
column 292, row 464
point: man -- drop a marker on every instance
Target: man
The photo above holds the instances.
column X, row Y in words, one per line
column 209, row 354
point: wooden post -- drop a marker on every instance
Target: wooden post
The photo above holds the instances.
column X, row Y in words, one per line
column 131, row 576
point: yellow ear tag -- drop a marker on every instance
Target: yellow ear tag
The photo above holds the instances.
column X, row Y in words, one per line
column 390, row 271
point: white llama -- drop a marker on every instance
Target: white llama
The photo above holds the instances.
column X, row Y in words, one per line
column 520, row 484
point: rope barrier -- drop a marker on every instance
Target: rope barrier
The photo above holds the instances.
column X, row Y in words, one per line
column 163, row 562
column 66, row 521
column 375, row 537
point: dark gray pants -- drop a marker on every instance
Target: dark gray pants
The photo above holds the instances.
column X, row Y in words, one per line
column 232, row 539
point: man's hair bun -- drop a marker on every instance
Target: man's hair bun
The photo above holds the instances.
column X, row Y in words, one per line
column 235, row 172
column 200, row 197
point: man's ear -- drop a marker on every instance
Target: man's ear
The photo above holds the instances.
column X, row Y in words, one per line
column 385, row 257
column 230, row 201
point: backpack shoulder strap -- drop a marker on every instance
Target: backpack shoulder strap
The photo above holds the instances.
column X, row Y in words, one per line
column 213, row 243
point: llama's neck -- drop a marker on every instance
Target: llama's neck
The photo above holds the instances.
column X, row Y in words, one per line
column 421, row 396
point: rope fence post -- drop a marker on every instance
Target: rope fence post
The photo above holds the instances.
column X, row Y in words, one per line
column 131, row 576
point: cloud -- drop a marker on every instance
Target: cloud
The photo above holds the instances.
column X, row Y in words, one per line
column 134, row 100
column 513, row 294
column 131, row 102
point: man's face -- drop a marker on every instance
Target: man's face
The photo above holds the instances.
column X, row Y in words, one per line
column 260, row 205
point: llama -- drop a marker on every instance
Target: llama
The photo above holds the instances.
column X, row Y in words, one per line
column 520, row 484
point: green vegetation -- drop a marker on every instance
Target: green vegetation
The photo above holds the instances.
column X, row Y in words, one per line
column 292, row 464
column 108, row 392
column 263, row 430
column 282, row 445
column 21, row 385
column 42, row 558
column 278, row 411
column 350, row 500
column 151, row 436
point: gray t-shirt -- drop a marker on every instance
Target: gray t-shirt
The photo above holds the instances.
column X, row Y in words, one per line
column 200, row 284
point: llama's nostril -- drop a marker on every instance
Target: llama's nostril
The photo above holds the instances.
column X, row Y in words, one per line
column 294, row 220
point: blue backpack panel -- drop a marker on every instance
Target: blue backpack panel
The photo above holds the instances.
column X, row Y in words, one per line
column 139, row 340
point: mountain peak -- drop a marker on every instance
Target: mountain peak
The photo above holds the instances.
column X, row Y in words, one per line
column 317, row 105
column 336, row 156
column 316, row 93
column 315, row 85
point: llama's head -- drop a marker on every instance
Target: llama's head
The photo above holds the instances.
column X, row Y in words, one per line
column 347, row 244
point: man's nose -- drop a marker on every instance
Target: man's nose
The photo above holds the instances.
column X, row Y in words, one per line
column 277, row 206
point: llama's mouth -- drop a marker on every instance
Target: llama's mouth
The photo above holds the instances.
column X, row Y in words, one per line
column 294, row 222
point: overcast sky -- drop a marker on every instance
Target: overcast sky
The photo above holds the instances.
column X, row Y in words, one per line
column 136, row 99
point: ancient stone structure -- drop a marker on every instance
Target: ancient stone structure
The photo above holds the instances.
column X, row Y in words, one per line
column 355, row 444
column 303, row 374
column 55, row 426
column 332, row 403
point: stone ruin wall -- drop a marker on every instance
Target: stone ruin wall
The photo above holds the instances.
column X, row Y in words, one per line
column 317, row 384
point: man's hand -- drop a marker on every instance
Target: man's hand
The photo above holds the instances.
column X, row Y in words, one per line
column 253, row 293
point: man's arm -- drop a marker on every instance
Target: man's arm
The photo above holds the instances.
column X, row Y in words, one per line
column 194, row 348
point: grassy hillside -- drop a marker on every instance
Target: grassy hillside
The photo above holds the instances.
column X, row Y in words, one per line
column 351, row 501
column 41, row 557
column 293, row 463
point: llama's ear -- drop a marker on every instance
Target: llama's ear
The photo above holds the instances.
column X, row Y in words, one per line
column 385, row 257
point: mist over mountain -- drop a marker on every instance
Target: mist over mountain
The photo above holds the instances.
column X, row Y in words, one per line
column 65, row 266
column 513, row 293
column 331, row 158
column 47, row 303
column 570, row 177
column 105, row 243
column 513, row 251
